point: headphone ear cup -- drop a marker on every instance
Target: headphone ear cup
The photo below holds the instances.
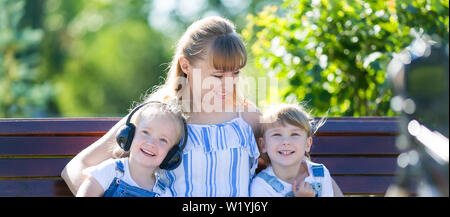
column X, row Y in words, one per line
column 172, row 159
column 125, row 136
column 174, row 156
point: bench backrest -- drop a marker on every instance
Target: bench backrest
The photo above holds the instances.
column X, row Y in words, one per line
column 359, row 152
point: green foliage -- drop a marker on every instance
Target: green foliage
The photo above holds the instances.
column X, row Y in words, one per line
column 334, row 54
column 101, row 55
column 23, row 91
column 111, row 70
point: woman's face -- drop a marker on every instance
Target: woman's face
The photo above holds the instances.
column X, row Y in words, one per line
column 211, row 85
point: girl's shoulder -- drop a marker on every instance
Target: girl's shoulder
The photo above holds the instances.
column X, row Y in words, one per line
column 105, row 172
column 265, row 174
column 107, row 166
column 260, row 188
column 317, row 169
column 259, row 179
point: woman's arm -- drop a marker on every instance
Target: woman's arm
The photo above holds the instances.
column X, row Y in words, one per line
column 90, row 188
column 336, row 190
column 252, row 116
column 92, row 155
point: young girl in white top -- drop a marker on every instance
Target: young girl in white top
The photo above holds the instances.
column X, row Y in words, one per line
column 145, row 146
column 287, row 138
column 221, row 154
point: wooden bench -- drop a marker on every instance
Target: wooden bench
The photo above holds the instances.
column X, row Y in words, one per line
column 359, row 152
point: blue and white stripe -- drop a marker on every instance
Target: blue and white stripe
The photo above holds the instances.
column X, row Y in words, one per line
column 218, row 161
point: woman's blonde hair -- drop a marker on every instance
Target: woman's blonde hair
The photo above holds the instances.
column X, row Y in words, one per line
column 294, row 115
column 213, row 39
column 172, row 109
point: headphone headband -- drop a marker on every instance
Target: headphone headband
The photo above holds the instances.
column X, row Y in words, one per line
column 138, row 107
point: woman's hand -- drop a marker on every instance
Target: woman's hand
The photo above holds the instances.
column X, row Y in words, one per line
column 336, row 190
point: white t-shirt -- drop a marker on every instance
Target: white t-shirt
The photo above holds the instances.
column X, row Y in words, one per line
column 105, row 173
column 261, row 188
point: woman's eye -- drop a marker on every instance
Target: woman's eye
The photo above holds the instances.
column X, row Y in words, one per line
column 236, row 73
column 218, row 76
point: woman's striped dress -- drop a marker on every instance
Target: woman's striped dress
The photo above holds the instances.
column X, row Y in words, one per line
column 218, row 161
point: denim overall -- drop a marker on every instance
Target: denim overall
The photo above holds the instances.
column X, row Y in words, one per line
column 119, row 188
column 278, row 186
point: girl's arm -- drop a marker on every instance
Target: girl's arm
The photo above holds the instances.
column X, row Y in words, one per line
column 336, row 190
column 94, row 154
column 90, row 188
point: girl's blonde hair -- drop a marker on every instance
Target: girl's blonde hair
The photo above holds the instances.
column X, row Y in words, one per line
column 289, row 114
column 172, row 109
column 213, row 39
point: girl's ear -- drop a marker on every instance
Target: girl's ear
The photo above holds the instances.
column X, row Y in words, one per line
column 262, row 145
column 184, row 64
column 308, row 144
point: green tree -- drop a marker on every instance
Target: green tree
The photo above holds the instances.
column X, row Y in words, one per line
column 106, row 73
column 23, row 90
column 101, row 55
column 334, row 54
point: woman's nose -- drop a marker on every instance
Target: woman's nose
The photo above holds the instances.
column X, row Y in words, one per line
column 228, row 83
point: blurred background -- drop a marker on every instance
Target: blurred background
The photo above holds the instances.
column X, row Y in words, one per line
column 94, row 58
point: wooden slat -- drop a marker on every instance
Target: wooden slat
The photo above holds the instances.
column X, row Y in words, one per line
column 359, row 126
column 46, row 145
column 358, row 165
column 32, row 167
column 34, row 188
column 360, row 185
column 354, row 145
column 72, row 145
column 42, row 167
column 97, row 126
column 56, row 126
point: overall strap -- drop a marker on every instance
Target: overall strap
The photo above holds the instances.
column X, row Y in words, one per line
column 119, row 168
column 161, row 179
column 272, row 181
column 317, row 170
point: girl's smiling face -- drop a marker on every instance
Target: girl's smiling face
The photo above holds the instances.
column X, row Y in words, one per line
column 285, row 144
column 155, row 135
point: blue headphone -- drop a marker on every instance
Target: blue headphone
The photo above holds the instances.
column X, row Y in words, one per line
column 126, row 134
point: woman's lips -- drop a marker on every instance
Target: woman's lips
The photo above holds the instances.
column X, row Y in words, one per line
column 223, row 95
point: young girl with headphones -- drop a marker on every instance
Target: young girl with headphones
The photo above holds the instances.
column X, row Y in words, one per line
column 156, row 139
